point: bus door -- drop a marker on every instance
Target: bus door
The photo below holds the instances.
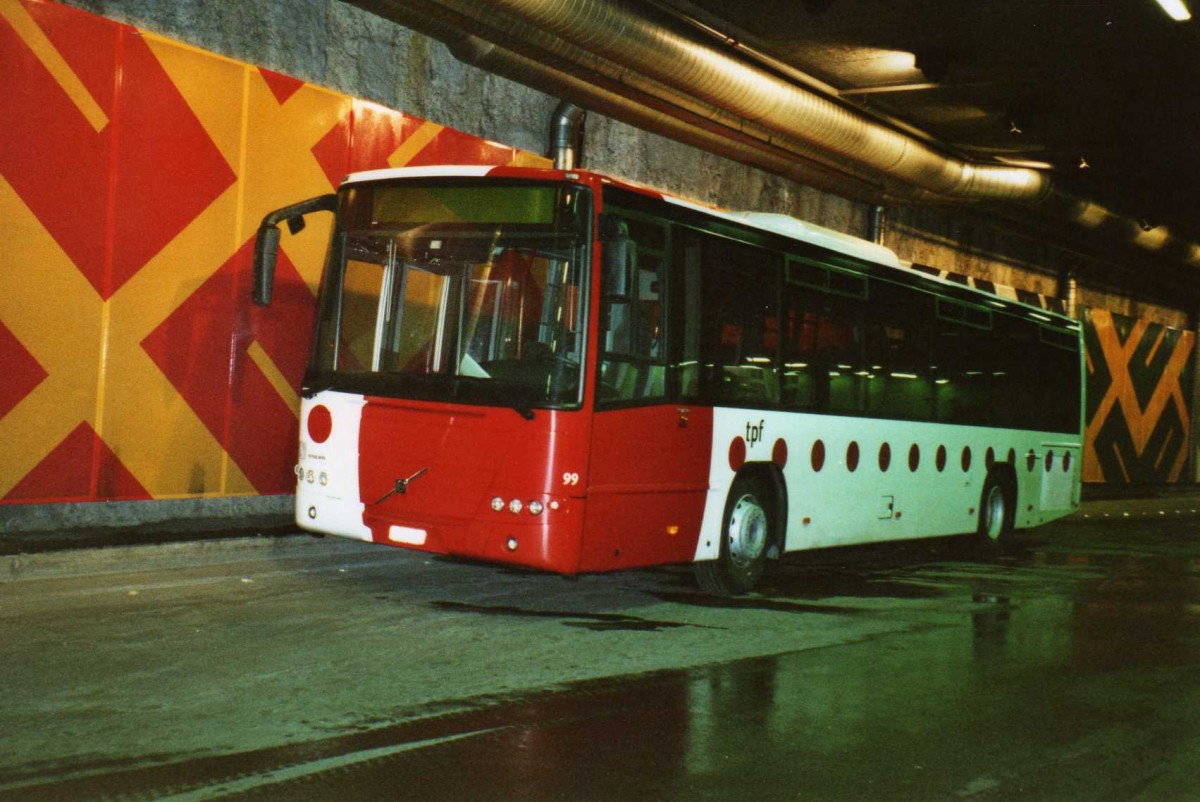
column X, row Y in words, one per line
column 649, row 470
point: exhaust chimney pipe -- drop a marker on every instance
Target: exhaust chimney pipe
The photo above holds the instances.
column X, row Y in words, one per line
column 566, row 136
column 877, row 224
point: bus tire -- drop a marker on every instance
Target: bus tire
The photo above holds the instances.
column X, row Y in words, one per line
column 997, row 507
column 747, row 532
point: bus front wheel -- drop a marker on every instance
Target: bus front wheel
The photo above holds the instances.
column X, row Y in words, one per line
column 746, row 532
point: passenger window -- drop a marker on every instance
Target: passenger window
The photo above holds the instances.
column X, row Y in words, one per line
column 823, row 363
column 740, row 321
column 900, row 352
column 964, row 357
column 632, row 362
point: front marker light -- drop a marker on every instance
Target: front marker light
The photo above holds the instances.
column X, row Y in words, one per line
column 515, row 506
column 535, row 508
column 497, row 504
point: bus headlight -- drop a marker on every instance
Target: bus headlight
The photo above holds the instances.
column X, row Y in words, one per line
column 497, row 504
column 535, row 508
column 515, row 506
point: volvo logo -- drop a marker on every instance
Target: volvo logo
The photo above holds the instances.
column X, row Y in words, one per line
column 401, row 486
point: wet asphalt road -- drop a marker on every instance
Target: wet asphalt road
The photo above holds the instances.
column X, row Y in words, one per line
column 1064, row 668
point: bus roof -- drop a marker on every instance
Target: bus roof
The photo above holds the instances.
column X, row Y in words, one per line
column 786, row 225
column 782, row 224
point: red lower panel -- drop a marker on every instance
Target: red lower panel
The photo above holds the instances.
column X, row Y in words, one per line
column 649, row 480
column 634, row 530
column 460, row 458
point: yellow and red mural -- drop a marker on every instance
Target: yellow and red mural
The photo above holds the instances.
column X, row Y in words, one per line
column 1138, row 388
column 133, row 173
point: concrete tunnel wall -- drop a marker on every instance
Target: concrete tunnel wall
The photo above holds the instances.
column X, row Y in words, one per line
column 136, row 370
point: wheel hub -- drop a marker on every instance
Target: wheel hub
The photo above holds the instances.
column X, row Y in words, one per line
column 747, row 530
column 994, row 510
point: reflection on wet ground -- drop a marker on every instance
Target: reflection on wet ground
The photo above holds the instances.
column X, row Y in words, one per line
column 594, row 621
column 1077, row 685
column 1065, row 668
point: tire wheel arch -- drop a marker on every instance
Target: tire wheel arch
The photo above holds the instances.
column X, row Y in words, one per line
column 1002, row 476
column 760, row 480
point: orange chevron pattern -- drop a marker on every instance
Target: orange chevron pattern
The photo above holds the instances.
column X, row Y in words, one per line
column 1138, row 414
column 133, row 173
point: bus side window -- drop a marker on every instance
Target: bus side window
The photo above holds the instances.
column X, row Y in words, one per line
column 740, row 345
column 632, row 365
column 1014, row 403
column 899, row 348
column 965, row 356
column 823, row 365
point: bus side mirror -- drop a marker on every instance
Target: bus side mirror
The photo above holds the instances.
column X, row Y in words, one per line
column 266, row 251
column 620, row 255
column 266, row 244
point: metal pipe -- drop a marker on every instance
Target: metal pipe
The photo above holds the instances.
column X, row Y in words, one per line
column 877, row 224
column 566, row 136
column 1068, row 291
column 648, row 46
column 653, row 114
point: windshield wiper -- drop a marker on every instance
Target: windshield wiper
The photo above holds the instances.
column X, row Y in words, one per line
column 310, row 390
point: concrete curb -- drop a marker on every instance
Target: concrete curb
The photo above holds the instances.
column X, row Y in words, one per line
column 209, row 549
column 79, row 562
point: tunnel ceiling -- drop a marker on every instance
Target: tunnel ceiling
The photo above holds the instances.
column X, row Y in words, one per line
column 1113, row 84
column 1077, row 120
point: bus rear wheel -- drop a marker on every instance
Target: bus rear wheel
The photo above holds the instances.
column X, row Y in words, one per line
column 746, row 535
column 996, row 510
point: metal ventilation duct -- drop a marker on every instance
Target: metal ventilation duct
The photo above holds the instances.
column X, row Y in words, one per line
column 628, row 64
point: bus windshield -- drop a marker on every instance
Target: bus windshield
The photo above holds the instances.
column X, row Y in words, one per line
column 456, row 290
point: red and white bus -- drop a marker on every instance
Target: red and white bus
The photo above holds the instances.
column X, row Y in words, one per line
column 568, row 372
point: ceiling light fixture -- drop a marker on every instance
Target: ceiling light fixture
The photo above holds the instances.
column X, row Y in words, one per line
column 1176, row 10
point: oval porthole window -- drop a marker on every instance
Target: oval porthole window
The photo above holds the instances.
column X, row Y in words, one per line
column 941, row 459
column 914, row 457
column 885, row 457
column 737, row 454
column 779, row 453
column 966, row 458
column 852, row 456
column 818, row 455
